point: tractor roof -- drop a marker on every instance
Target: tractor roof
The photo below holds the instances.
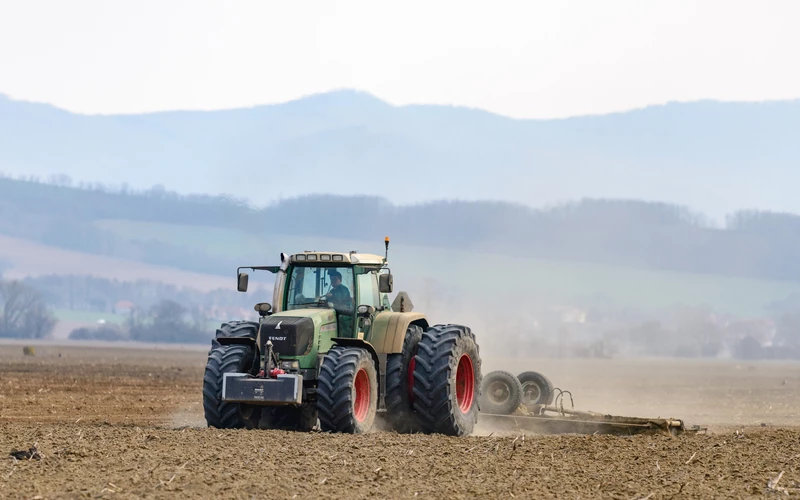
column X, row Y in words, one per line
column 351, row 258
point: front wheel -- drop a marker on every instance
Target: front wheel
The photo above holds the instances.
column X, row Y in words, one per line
column 347, row 391
column 220, row 414
column 447, row 379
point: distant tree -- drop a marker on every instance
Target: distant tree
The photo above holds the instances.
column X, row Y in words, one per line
column 698, row 333
column 104, row 332
column 749, row 348
column 168, row 321
column 788, row 330
column 24, row 312
column 60, row 180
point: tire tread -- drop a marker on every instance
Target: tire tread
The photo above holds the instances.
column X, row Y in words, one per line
column 221, row 360
column 435, row 365
column 334, row 389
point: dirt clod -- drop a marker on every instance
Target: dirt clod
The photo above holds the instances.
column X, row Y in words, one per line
column 30, row 454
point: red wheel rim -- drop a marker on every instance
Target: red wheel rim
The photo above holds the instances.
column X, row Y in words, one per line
column 465, row 383
column 363, row 396
column 410, row 375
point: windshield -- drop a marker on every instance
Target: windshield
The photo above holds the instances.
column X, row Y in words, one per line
column 307, row 285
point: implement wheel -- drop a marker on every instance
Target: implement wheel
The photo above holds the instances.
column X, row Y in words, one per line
column 536, row 389
column 501, row 393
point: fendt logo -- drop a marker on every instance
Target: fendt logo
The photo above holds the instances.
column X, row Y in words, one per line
column 277, row 338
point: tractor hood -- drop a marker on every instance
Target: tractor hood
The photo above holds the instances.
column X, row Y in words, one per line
column 293, row 333
column 318, row 315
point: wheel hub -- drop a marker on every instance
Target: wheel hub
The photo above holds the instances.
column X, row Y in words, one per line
column 362, row 396
column 465, row 383
column 498, row 393
column 530, row 392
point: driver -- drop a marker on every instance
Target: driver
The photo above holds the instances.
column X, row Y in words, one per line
column 338, row 294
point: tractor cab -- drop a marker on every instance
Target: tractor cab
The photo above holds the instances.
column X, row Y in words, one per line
column 354, row 285
column 350, row 286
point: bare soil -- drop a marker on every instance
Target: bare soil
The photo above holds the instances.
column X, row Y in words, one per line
column 127, row 423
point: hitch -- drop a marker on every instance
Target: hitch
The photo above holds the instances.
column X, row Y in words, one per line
column 271, row 365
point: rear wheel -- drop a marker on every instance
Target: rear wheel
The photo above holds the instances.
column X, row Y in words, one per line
column 501, row 393
column 536, row 389
column 447, row 379
column 347, row 391
column 221, row 360
column 400, row 384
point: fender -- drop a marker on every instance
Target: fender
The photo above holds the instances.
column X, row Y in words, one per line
column 248, row 341
column 389, row 329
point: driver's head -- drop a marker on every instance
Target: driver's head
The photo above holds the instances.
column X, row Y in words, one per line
column 336, row 278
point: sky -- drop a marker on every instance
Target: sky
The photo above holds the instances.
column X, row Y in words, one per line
column 523, row 59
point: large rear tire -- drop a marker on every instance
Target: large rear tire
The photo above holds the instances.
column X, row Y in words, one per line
column 347, row 391
column 501, row 393
column 219, row 414
column 400, row 385
column 447, row 380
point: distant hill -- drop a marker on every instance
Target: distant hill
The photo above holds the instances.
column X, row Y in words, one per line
column 471, row 255
column 714, row 157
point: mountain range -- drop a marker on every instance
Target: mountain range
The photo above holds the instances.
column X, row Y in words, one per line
column 715, row 157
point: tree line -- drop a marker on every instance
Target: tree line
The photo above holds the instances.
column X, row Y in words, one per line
column 165, row 321
column 159, row 312
column 24, row 312
column 91, row 293
column 621, row 232
column 164, row 313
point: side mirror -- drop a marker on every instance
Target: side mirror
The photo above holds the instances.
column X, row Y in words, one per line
column 385, row 283
column 243, row 279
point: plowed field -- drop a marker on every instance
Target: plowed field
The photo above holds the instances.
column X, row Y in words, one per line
column 128, row 423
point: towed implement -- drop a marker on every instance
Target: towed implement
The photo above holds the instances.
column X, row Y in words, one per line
column 330, row 350
column 529, row 402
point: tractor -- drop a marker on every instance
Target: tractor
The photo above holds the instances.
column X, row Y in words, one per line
column 330, row 352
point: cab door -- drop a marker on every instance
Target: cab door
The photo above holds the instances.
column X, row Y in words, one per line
column 368, row 295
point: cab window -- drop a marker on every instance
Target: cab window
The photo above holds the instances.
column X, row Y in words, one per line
column 307, row 285
column 368, row 290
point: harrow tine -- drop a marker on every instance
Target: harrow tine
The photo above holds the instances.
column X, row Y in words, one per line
column 559, row 398
column 558, row 403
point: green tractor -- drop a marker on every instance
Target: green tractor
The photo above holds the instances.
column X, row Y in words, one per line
column 332, row 351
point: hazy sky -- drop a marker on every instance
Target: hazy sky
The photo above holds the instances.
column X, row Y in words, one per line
column 534, row 59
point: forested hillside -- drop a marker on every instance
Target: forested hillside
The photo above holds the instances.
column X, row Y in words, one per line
column 600, row 272
column 626, row 233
